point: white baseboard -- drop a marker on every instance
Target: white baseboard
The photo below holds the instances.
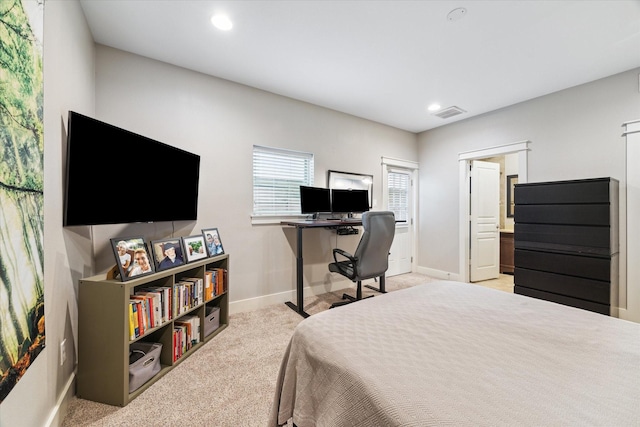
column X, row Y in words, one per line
column 264, row 301
column 59, row 411
column 438, row 274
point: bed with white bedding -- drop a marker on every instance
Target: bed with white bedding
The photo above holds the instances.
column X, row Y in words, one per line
column 453, row 354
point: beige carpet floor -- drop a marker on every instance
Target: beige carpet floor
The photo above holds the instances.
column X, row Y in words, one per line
column 230, row 381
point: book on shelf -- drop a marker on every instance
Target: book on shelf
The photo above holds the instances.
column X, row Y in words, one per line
column 180, row 298
column 145, row 311
column 208, row 285
column 177, row 343
column 196, row 290
column 155, row 306
column 218, row 280
column 135, row 319
column 192, row 324
column 134, row 329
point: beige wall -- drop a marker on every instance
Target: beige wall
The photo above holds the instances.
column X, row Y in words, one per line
column 221, row 121
column 574, row 134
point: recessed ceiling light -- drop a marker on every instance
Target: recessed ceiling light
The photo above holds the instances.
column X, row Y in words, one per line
column 434, row 107
column 221, row 22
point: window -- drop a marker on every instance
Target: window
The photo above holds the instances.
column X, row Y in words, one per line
column 398, row 184
column 277, row 177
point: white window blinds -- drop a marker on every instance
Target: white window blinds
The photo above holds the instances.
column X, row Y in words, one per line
column 398, row 184
column 277, row 177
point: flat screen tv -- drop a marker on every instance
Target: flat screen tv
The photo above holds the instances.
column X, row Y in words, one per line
column 314, row 200
column 114, row 176
column 349, row 201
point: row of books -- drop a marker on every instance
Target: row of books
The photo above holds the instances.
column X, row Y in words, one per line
column 187, row 293
column 215, row 282
column 148, row 309
column 152, row 307
column 186, row 334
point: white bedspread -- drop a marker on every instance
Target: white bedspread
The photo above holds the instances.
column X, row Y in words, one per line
column 453, row 354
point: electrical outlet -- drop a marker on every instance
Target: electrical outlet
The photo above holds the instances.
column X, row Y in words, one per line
column 63, row 352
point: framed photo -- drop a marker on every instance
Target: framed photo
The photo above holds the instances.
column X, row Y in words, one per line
column 353, row 181
column 132, row 257
column 213, row 241
column 194, row 248
column 167, row 253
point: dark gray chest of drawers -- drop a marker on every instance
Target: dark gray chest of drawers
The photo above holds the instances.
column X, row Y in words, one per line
column 566, row 242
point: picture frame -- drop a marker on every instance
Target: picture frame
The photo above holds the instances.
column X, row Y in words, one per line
column 512, row 180
column 194, row 248
column 167, row 253
column 213, row 241
column 351, row 180
column 132, row 257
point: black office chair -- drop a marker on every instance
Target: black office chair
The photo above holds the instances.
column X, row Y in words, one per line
column 371, row 258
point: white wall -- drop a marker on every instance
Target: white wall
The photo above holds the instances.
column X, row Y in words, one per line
column 221, row 121
column 574, row 134
column 39, row 397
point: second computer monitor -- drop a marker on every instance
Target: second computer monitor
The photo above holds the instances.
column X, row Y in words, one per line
column 349, row 201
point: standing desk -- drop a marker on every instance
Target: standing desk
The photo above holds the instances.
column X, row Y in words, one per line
column 300, row 226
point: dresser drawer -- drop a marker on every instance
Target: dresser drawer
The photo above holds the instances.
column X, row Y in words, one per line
column 598, row 190
column 574, row 238
column 577, row 287
column 599, row 215
column 574, row 265
column 562, row 299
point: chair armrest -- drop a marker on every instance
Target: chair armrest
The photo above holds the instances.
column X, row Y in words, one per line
column 351, row 262
column 345, row 254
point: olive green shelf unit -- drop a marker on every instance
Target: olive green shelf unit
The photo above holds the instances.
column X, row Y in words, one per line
column 103, row 330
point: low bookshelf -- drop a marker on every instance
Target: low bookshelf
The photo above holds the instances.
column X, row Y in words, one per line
column 104, row 334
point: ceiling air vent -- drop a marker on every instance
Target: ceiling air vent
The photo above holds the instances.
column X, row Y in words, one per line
column 449, row 112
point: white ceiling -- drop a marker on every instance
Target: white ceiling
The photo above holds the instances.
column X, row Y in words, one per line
column 384, row 60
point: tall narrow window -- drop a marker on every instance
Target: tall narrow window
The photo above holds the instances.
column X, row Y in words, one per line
column 398, row 184
column 277, row 177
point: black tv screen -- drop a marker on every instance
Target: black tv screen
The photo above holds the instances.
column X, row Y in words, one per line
column 114, row 176
column 349, row 201
column 314, row 200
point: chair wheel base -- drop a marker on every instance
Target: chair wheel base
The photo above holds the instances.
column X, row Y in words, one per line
column 340, row 303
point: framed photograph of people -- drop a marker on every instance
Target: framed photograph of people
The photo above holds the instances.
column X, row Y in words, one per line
column 213, row 241
column 132, row 257
column 194, row 248
column 167, row 253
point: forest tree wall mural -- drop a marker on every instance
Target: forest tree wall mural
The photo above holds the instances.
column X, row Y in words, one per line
column 22, row 332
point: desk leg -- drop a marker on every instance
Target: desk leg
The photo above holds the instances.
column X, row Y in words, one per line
column 382, row 289
column 299, row 278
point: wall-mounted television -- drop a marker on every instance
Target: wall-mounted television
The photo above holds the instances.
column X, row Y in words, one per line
column 114, row 176
column 314, row 200
column 349, row 201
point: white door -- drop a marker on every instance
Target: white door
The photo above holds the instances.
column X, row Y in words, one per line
column 485, row 221
column 400, row 202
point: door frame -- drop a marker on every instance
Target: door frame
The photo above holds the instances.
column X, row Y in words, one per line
column 464, row 162
column 413, row 169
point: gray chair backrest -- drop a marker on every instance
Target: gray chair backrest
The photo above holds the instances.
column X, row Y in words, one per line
column 373, row 250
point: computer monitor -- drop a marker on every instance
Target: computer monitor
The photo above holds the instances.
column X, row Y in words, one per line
column 349, row 201
column 314, row 200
